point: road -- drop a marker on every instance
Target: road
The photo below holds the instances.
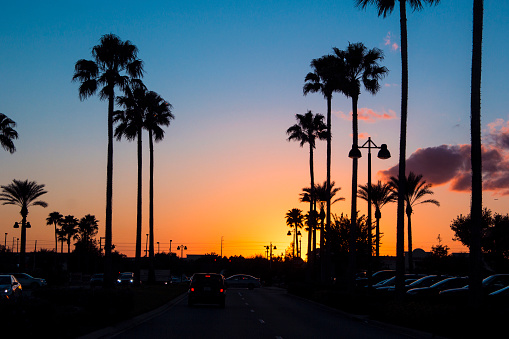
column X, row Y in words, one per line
column 260, row 313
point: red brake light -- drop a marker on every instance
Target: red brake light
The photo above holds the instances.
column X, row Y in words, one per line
column 192, row 289
column 221, row 290
column 207, row 276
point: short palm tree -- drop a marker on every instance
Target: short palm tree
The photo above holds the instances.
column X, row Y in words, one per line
column 7, row 133
column 361, row 66
column 87, row 229
column 115, row 64
column 384, row 8
column 380, row 195
column 416, row 189
column 54, row 219
column 23, row 194
column 158, row 113
column 69, row 228
column 309, row 128
column 294, row 219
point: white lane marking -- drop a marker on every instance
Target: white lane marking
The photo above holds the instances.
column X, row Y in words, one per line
column 247, row 304
column 279, row 337
column 261, row 321
column 252, row 311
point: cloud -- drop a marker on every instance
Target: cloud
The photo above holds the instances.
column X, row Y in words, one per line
column 368, row 115
column 388, row 42
column 450, row 164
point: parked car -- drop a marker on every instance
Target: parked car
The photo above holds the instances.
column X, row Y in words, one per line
column 413, row 282
column 10, row 288
column 435, row 289
column 206, row 288
column 97, row 279
column 490, row 284
column 375, row 278
column 242, row 281
column 27, row 281
column 125, row 278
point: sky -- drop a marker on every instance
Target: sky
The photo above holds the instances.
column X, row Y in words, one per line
column 225, row 174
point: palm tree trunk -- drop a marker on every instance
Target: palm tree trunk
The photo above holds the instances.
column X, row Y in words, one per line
column 476, row 158
column 400, row 226
column 108, row 273
column 151, row 273
column 56, row 238
column 410, row 249
column 353, row 221
column 311, row 224
column 377, row 233
column 325, row 252
column 24, row 213
column 137, row 259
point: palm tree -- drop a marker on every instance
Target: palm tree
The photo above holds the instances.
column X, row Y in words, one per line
column 307, row 130
column 54, row 219
column 23, row 194
column 416, row 189
column 115, row 64
column 386, row 7
column 380, row 195
column 130, row 126
column 324, row 79
column 360, row 66
column 87, row 228
column 7, row 133
column 158, row 113
column 476, row 158
column 69, row 228
column 294, row 218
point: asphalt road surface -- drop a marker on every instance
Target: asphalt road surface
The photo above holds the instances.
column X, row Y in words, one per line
column 260, row 313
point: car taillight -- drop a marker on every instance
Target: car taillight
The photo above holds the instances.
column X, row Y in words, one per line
column 221, row 290
column 192, row 289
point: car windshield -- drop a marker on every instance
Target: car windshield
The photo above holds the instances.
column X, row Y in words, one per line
column 4, row 280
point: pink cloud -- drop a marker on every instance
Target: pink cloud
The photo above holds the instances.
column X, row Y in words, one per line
column 369, row 115
column 388, row 42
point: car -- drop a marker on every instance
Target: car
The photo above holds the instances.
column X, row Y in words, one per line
column 242, row 281
column 207, row 288
column 435, row 289
column 125, row 278
column 10, row 288
column 28, row 281
column 97, row 279
column 490, row 284
column 376, row 277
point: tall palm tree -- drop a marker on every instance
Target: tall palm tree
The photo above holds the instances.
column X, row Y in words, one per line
column 361, row 66
column 130, row 125
column 294, row 219
column 476, row 158
column 7, row 133
column 384, row 8
column 380, row 195
column 23, row 194
column 54, row 219
column 158, row 113
column 307, row 130
column 115, row 64
column 69, row 228
column 416, row 189
column 324, row 80
column 87, row 228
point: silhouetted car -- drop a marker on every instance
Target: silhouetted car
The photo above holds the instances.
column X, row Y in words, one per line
column 206, row 288
column 27, row 281
column 242, row 281
column 490, row 284
column 125, row 278
column 97, row 279
column 10, row 288
column 375, row 278
column 420, row 282
column 433, row 290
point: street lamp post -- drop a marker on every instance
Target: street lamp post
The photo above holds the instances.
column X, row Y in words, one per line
column 384, row 153
column 146, row 246
column 158, row 247
column 5, row 241
column 181, row 248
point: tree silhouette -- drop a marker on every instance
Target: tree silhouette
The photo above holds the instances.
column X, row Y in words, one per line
column 23, row 194
column 54, row 219
column 115, row 64
column 294, row 219
column 381, row 194
column 384, row 8
column 416, row 189
column 360, row 67
column 87, row 229
column 307, row 130
column 68, row 229
column 7, row 133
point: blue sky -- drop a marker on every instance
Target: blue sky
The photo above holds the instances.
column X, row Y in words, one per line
column 234, row 71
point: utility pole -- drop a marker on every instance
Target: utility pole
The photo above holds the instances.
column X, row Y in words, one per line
column 222, row 246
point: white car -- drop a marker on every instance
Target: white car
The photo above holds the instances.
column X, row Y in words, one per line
column 28, row 281
column 10, row 288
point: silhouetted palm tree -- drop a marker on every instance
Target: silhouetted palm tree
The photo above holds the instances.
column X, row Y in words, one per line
column 23, row 194
column 87, row 229
column 294, row 218
column 54, row 219
column 476, row 157
column 360, row 66
column 130, row 125
column 7, row 133
column 381, row 194
column 115, row 64
column 416, row 189
column 69, row 228
column 158, row 113
column 386, row 7
column 307, row 130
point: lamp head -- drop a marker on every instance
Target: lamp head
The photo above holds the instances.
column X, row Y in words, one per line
column 354, row 153
column 384, row 152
